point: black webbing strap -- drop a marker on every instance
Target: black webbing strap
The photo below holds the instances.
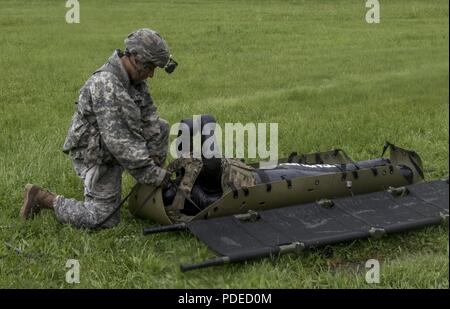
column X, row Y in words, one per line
column 302, row 159
column 385, row 147
column 292, row 156
column 391, row 169
column 418, row 169
column 374, row 171
column 265, row 179
column 233, row 188
column 246, row 190
column 343, row 169
column 288, row 181
column 318, row 158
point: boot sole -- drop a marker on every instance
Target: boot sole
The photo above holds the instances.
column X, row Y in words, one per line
column 28, row 201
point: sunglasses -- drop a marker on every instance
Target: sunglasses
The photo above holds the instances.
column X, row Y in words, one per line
column 148, row 65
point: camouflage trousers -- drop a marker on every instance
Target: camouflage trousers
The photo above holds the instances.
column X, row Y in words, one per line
column 102, row 189
column 102, row 194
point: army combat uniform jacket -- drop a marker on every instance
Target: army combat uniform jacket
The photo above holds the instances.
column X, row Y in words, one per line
column 115, row 127
column 115, row 123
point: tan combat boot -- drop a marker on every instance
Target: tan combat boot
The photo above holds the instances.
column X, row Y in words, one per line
column 35, row 199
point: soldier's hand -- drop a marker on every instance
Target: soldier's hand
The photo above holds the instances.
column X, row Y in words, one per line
column 156, row 160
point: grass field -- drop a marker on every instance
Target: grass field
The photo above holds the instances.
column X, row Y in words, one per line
column 315, row 67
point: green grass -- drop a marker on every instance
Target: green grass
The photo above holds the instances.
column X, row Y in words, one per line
column 316, row 67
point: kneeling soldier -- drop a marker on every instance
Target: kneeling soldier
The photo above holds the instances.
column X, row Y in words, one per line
column 115, row 127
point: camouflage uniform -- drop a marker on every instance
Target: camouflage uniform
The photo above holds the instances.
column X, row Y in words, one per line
column 116, row 127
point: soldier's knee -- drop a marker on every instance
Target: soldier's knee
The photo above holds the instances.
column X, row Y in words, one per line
column 102, row 213
column 101, row 219
column 111, row 222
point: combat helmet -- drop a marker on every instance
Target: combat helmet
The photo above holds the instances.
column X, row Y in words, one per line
column 148, row 46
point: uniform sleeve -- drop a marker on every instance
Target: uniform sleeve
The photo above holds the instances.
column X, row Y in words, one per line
column 119, row 123
column 149, row 116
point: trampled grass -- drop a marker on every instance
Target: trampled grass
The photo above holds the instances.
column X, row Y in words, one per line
column 316, row 68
